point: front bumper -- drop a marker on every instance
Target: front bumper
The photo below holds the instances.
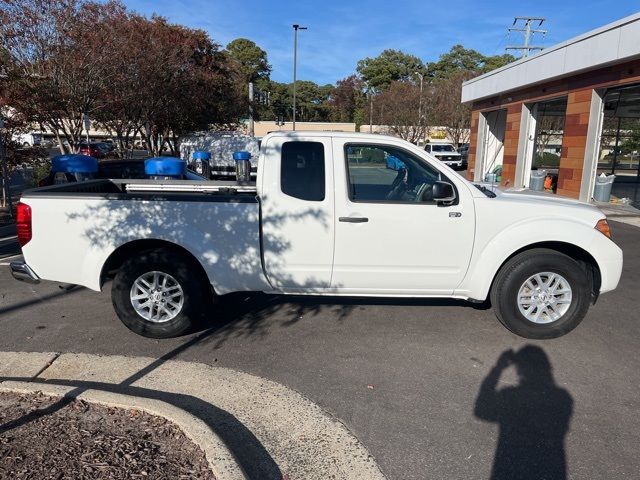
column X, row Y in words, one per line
column 452, row 164
column 23, row 272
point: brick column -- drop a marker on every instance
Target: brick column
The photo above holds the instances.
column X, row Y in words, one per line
column 574, row 141
column 473, row 144
column 511, row 134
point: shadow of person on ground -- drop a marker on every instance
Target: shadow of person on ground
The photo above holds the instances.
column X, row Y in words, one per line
column 533, row 417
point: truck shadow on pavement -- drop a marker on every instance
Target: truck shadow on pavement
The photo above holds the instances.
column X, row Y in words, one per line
column 238, row 315
column 248, row 451
column 533, row 417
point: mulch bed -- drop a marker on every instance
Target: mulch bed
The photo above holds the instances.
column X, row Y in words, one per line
column 87, row 441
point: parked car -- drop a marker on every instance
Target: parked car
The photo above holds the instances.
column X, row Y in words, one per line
column 109, row 148
column 463, row 150
column 446, row 153
column 317, row 222
column 93, row 149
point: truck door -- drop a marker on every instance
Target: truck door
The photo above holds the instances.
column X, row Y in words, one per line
column 391, row 236
column 297, row 212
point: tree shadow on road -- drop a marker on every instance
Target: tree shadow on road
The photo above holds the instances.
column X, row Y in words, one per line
column 533, row 417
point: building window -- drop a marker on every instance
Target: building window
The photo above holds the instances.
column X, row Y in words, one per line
column 547, row 144
column 302, row 173
column 620, row 141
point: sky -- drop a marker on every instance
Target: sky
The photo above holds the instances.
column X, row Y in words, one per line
column 341, row 32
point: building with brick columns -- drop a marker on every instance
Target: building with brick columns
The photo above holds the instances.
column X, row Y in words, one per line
column 568, row 113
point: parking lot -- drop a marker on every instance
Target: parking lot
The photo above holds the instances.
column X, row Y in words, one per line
column 404, row 376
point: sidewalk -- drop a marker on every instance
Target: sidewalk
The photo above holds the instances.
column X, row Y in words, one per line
column 248, row 427
column 620, row 213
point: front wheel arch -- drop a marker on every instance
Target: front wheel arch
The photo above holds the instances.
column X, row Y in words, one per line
column 575, row 252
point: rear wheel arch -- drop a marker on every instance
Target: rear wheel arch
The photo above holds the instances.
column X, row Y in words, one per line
column 127, row 250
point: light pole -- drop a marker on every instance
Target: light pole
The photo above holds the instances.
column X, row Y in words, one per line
column 296, row 27
column 420, row 100
column 370, row 111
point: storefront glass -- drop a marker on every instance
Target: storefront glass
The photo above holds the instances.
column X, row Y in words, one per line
column 547, row 147
column 620, row 142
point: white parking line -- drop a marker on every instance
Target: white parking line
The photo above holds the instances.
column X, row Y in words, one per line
column 10, row 256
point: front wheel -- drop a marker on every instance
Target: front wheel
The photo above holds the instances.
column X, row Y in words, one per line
column 541, row 293
column 156, row 294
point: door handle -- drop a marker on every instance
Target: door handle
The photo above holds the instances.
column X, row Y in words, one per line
column 353, row 219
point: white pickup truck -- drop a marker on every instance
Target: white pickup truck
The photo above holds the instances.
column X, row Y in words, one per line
column 325, row 217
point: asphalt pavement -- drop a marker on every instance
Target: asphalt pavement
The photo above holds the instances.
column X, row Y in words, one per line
column 414, row 380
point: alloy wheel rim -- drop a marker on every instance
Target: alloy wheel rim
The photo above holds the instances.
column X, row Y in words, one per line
column 157, row 296
column 544, row 297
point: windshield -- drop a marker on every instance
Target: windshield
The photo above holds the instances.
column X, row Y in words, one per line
column 442, row 148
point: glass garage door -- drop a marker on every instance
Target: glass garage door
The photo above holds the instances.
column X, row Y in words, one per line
column 620, row 142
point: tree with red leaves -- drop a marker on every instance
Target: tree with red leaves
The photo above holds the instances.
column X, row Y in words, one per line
column 67, row 58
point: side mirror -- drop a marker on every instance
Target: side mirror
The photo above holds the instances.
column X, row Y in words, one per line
column 443, row 192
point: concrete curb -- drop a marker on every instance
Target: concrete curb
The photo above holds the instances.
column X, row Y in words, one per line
column 247, row 426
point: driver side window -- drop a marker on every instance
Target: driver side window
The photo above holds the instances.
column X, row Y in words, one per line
column 380, row 173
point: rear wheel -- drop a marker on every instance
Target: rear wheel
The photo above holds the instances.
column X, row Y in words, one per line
column 541, row 294
column 156, row 294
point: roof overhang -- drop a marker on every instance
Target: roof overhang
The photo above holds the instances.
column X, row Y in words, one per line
column 614, row 43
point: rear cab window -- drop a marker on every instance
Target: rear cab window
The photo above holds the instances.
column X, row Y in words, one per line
column 302, row 170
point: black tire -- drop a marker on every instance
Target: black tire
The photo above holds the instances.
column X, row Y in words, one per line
column 510, row 278
column 195, row 289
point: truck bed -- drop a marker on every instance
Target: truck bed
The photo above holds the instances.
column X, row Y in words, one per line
column 77, row 227
column 123, row 189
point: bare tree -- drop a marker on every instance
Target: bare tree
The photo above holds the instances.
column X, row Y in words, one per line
column 448, row 110
column 401, row 106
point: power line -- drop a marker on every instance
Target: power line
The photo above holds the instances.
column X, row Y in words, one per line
column 524, row 25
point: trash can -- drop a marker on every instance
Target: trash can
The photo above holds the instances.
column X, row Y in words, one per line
column 165, row 168
column 80, row 167
column 201, row 163
column 490, row 178
column 243, row 166
column 537, row 180
column 602, row 190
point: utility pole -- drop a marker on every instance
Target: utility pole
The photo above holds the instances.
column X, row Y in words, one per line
column 296, row 27
column 528, row 32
